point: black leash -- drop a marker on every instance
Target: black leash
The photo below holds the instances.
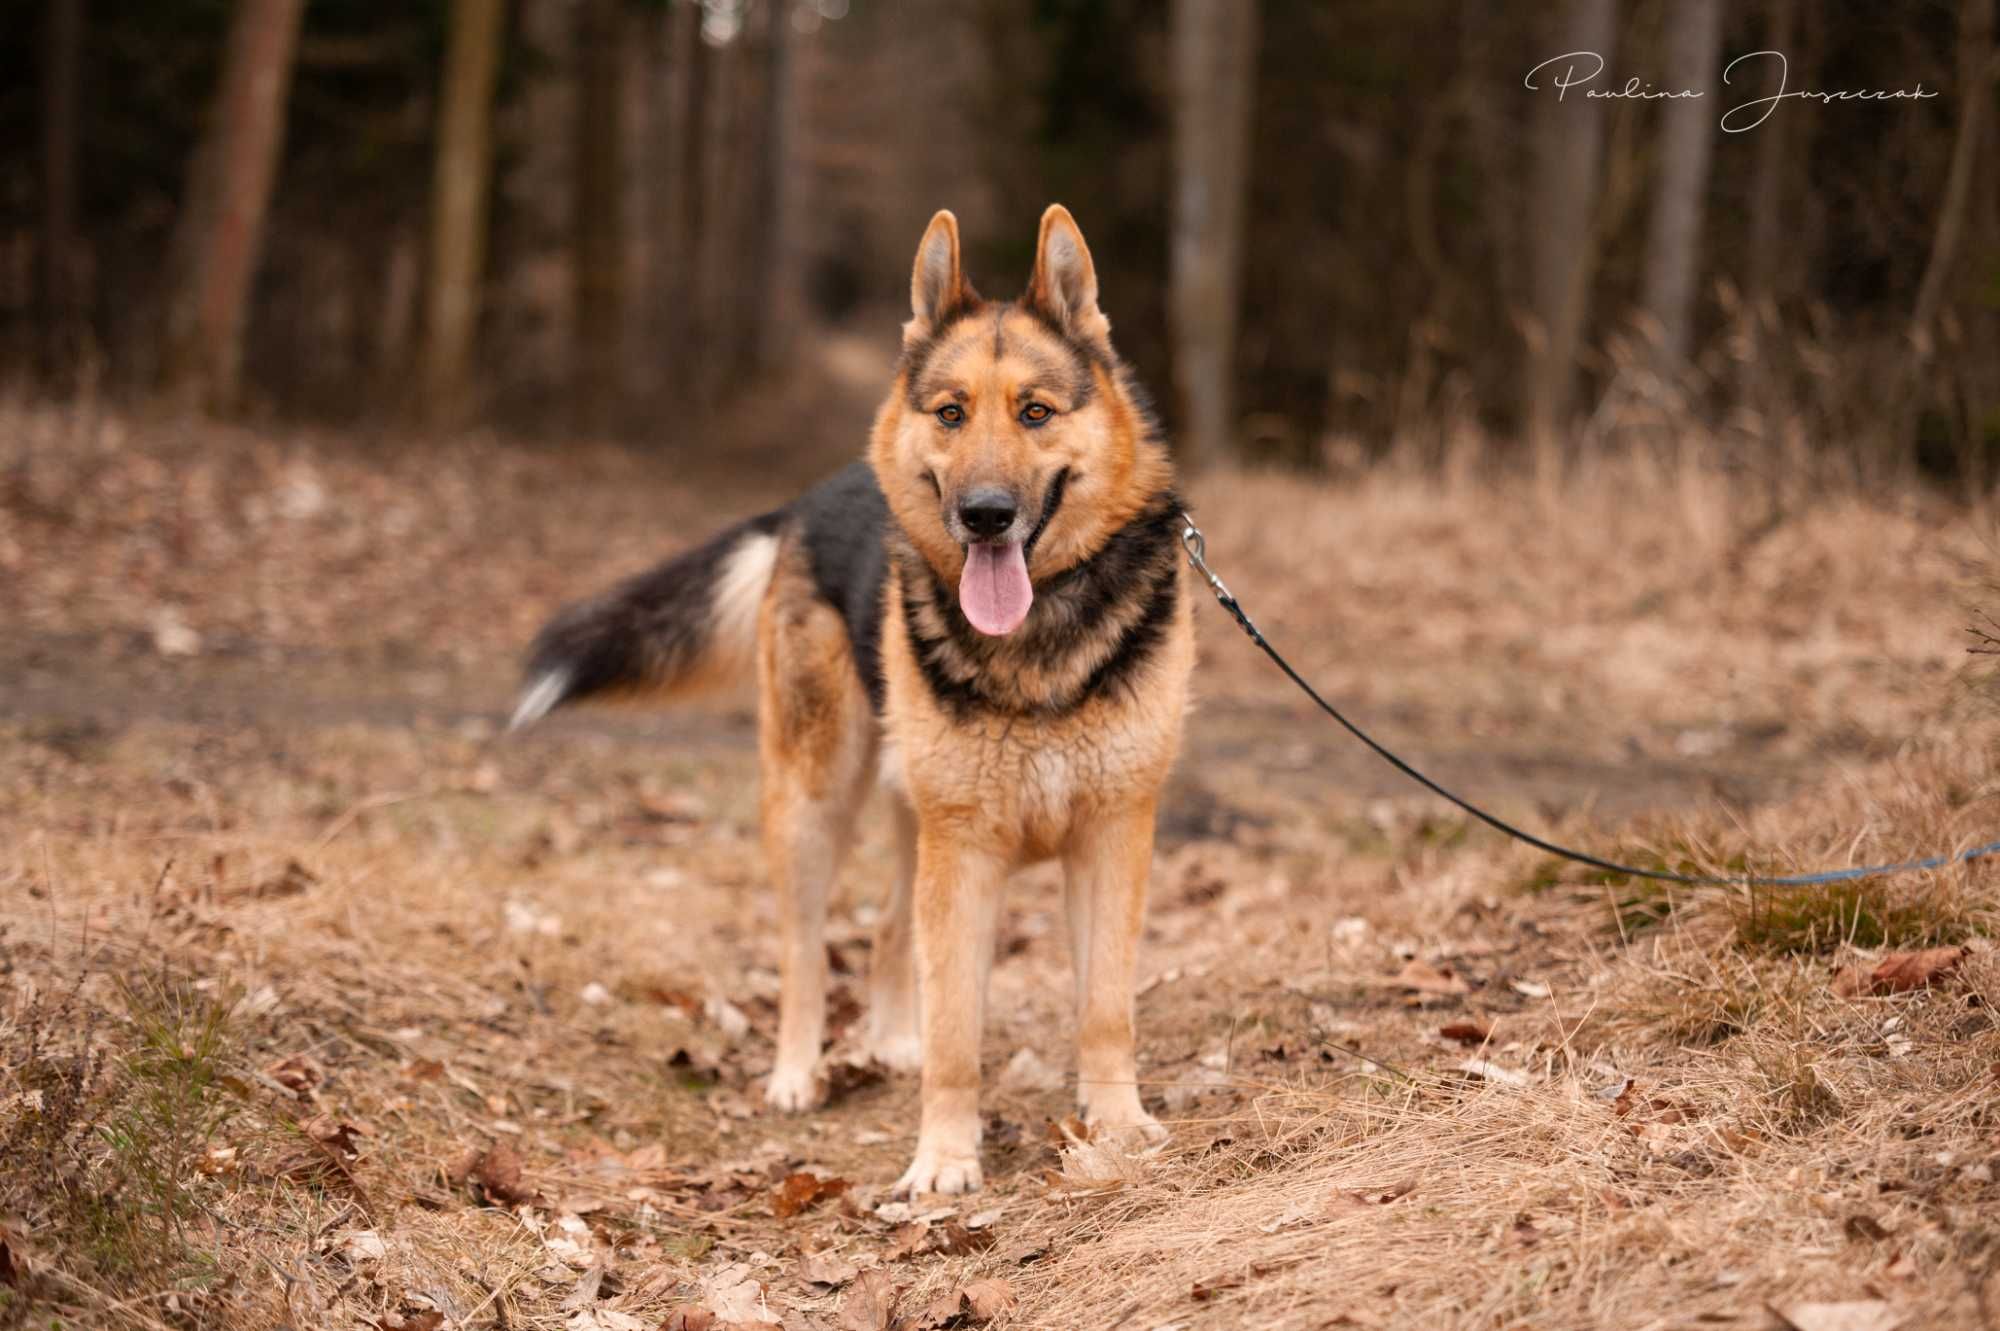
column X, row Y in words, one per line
column 1197, row 552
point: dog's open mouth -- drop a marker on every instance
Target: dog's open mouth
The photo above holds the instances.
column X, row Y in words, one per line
column 994, row 590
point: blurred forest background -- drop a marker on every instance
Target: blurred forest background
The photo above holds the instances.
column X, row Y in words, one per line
column 1324, row 231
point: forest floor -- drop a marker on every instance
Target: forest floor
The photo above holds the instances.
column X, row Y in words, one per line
column 322, row 1003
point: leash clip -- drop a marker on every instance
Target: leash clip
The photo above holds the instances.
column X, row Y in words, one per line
column 1196, row 546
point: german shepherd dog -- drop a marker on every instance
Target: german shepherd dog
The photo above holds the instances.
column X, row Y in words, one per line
column 991, row 612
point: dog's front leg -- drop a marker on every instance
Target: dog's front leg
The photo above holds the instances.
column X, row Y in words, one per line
column 1107, row 864
column 957, row 898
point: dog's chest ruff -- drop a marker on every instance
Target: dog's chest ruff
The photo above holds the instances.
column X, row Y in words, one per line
column 1079, row 709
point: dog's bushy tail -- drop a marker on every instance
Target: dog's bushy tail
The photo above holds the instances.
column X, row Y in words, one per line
column 689, row 623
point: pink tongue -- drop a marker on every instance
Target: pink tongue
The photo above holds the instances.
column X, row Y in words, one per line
column 993, row 591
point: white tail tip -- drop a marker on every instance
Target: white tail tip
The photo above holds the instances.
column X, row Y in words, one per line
column 540, row 699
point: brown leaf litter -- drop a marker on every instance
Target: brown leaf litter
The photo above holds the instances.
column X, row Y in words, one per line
column 1900, row 972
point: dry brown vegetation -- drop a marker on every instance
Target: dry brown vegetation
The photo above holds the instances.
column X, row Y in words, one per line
column 320, row 1004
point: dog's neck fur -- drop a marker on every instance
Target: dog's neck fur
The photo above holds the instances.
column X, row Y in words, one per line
column 1093, row 625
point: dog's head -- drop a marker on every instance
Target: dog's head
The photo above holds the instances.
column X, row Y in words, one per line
column 1012, row 444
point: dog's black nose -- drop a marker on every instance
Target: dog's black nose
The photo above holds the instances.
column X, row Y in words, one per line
column 987, row 512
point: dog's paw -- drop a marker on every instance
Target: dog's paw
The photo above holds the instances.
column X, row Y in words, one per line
column 1131, row 1129
column 793, row 1089
column 940, row 1172
column 900, row 1052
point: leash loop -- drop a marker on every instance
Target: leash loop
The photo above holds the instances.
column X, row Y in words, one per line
column 1197, row 552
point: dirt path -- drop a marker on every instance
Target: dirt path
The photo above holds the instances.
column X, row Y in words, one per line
column 1237, row 752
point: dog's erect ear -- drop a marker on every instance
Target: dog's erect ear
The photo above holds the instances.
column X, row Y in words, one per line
column 937, row 283
column 1064, row 283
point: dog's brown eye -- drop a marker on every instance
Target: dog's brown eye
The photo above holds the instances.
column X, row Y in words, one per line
column 1035, row 413
column 951, row 413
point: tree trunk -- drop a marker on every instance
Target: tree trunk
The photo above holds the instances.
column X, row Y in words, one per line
column 57, row 294
column 781, row 197
column 1214, row 63
column 687, row 183
column 531, row 322
column 1981, row 357
column 1957, row 214
column 647, row 58
column 1767, row 207
column 599, row 219
column 395, row 319
column 460, row 183
column 728, row 297
column 1975, row 29
column 219, row 236
column 1687, row 130
column 1568, row 136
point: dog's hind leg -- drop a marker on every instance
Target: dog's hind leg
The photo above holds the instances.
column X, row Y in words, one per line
column 816, row 742
column 892, row 978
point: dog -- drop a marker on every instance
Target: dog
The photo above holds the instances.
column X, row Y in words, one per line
column 991, row 614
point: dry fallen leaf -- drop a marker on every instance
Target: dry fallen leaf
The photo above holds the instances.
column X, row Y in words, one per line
column 1060, row 1133
column 1900, row 972
column 689, row 1319
column 604, row 1319
column 802, row 1190
column 1487, row 1070
column 970, row 1305
column 1647, row 1109
column 735, row 1296
column 426, row 1319
column 907, row 1240
column 1859, row 1315
column 333, row 1134
column 1020, row 1254
column 597, row 1282
column 333, row 1153
column 298, row 1074
column 827, row 1268
column 1428, row 979
column 870, row 1304
column 955, row 1240
column 364, row 1245
column 496, row 1173
column 648, row 1159
column 987, row 1299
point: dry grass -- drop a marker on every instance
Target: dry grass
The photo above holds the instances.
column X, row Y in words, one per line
column 282, row 950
